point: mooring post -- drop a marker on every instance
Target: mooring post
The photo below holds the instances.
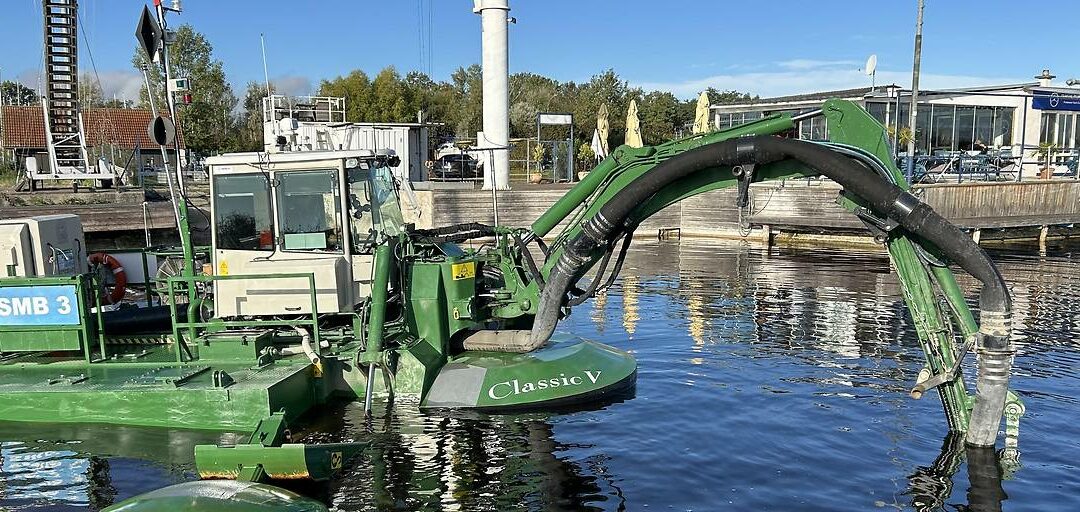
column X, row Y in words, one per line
column 766, row 235
column 1044, row 232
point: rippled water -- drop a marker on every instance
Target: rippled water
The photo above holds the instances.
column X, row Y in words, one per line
column 768, row 380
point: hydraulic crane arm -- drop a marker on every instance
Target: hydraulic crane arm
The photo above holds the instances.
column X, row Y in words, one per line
column 633, row 184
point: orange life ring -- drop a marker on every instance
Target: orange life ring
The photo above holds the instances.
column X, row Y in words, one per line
column 117, row 293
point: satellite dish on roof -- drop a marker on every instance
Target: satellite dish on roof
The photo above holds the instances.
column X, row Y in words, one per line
column 871, row 70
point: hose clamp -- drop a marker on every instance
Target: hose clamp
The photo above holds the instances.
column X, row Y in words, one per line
column 603, row 223
column 905, row 203
column 745, row 151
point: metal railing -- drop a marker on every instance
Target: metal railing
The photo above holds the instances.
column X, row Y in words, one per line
column 192, row 327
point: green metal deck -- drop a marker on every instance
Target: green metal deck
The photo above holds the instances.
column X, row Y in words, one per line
column 149, row 388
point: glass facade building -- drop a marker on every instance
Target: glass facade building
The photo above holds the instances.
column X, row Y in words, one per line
column 1060, row 129
column 949, row 127
column 1009, row 121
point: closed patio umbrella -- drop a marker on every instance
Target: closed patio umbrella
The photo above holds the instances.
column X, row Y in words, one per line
column 701, row 115
column 633, row 126
column 603, row 126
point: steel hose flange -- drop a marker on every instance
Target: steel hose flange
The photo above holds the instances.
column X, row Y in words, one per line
column 992, row 385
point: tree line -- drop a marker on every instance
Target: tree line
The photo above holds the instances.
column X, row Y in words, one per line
column 217, row 120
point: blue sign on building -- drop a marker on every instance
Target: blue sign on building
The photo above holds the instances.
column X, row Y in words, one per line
column 1049, row 100
column 38, row 305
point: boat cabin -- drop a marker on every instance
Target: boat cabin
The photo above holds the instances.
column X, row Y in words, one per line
column 315, row 212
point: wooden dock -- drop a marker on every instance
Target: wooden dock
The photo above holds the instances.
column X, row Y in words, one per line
column 1034, row 211
column 113, row 219
column 793, row 211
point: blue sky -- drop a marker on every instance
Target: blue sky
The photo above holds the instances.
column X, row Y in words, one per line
column 765, row 48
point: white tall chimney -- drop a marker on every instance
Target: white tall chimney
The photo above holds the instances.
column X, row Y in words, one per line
column 496, row 94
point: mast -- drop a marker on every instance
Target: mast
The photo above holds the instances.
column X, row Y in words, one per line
column 180, row 202
column 64, row 135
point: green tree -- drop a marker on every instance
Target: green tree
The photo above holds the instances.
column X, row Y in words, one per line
column 14, row 93
column 389, row 101
column 419, row 90
column 90, row 95
column 466, row 95
column 356, row 89
column 660, row 117
column 585, row 100
column 249, row 135
column 208, row 123
column 530, row 94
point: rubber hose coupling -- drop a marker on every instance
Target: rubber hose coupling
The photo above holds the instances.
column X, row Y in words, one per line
column 745, row 151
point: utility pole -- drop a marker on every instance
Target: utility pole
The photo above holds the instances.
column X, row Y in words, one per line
column 914, row 117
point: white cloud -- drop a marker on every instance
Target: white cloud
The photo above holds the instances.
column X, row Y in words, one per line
column 30, row 78
column 123, row 85
column 292, row 85
column 797, row 64
column 806, row 76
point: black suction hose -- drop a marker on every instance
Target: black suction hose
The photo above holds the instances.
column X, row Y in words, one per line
column 884, row 198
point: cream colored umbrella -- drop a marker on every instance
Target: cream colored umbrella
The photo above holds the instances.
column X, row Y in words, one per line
column 633, row 126
column 603, row 127
column 701, row 116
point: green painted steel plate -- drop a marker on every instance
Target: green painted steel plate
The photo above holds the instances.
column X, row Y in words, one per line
column 566, row 372
column 155, row 393
column 285, row 462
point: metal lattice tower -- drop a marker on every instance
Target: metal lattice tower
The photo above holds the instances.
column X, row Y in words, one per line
column 63, row 124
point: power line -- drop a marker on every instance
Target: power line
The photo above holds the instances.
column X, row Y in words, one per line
column 421, row 35
column 97, row 77
column 431, row 40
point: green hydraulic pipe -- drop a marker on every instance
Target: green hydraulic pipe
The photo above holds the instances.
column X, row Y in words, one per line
column 626, row 156
column 379, row 291
column 384, row 259
column 949, row 287
column 566, row 204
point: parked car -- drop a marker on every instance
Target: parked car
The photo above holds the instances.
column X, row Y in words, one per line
column 456, row 167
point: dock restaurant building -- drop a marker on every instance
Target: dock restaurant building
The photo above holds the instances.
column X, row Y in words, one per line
column 1010, row 120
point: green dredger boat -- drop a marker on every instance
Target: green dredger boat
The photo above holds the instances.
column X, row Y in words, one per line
column 319, row 290
column 316, row 289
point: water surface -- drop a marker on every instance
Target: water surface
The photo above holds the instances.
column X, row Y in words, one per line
column 768, row 380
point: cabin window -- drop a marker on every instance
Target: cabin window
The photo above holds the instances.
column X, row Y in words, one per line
column 373, row 207
column 242, row 216
column 308, row 211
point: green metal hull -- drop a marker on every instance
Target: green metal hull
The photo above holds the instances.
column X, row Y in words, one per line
column 156, row 395
column 564, row 373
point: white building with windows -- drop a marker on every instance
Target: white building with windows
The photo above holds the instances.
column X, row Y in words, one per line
column 1010, row 120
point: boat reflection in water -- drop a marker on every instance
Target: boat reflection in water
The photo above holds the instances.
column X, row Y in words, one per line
column 91, row 466
column 462, row 461
column 451, row 463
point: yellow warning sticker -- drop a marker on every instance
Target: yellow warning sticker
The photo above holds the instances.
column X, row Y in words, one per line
column 335, row 460
column 465, row 270
column 223, row 268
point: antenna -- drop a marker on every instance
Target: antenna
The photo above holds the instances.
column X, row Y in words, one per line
column 266, row 74
column 871, row 70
